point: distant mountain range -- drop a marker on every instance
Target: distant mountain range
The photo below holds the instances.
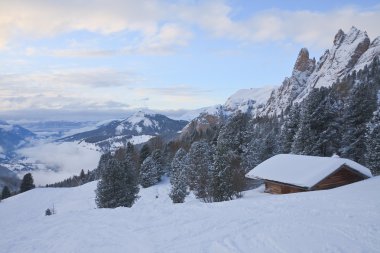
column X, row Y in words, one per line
column 9, row 178
column 137, row 128
column 12, row 137
column 57, row 129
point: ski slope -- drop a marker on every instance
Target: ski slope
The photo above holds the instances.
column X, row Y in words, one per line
column 345, row 219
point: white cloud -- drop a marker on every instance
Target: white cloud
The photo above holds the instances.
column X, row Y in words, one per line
column 309, row 28
column 97, row 88
column 161, row 25
column 175, row 96
column 165, row 41
column 58, row 161
column 42, row 19
column 71, row 78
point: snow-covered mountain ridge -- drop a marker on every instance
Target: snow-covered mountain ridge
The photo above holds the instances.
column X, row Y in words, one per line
column 137, row 128
column 350, row 52
column 245, row 100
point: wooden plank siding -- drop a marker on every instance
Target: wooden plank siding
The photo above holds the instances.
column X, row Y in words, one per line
column 342, row 176
column 281, row 188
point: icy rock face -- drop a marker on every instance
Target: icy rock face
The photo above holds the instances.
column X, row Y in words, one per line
column 340, row 59
column 291, row 87
column 351, row 51
column 367, row 56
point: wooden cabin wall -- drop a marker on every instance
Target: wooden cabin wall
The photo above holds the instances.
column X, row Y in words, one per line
column 341, row 177
column 278, row 188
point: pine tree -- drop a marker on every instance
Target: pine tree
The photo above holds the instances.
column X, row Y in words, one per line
column 103, row 164
column 228, row 174
column 178, row 190
column 200, row 166
column 289, row 130
column 82, row 175
column 254, row 152
column 159, row 163
column 27, row 183
column 6, row 193
column 118, row 185
column 307, row 134
column 358, row 112
column 372, row 141
column 328, row 118
column 148, row 173
column 131, row 154
column 144, row 153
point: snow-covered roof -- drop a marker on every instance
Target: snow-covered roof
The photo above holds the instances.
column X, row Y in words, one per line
column 301, row 170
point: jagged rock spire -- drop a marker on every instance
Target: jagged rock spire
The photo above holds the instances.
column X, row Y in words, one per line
column 303, row 61
column 339, row 37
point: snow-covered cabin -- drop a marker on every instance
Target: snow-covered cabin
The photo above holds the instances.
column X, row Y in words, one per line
column 286, row 173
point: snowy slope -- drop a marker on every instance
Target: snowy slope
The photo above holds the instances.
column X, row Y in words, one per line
column 248, row 99
column 345, row 219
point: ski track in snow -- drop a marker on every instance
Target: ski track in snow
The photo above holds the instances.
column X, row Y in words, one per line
column 345, row 219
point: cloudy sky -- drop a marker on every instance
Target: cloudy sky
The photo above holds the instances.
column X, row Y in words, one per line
column 100, row 58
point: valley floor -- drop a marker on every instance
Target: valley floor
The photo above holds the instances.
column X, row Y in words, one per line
column 345, row 219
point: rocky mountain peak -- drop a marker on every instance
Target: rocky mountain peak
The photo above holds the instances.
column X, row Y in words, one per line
column 340, row 59
column 339, row 37
column 303, row 61
column 376, row 42
column 350, row 51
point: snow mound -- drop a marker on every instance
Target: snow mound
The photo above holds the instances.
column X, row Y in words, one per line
column 323, row 221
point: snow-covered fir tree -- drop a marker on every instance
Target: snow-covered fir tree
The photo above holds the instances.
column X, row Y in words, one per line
column 131, row 154
column 358, row 112
column 148, row 172
column 372, row 141
column 27, row 183
column 200, row 170
column 328, row 119
column 178, row 181
column 289, row 129
column 159, row 163
column 228, row 174
column 307, row 136
column 118, row 185
column 103, row 164
column 144, row 153
column 6, row 193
